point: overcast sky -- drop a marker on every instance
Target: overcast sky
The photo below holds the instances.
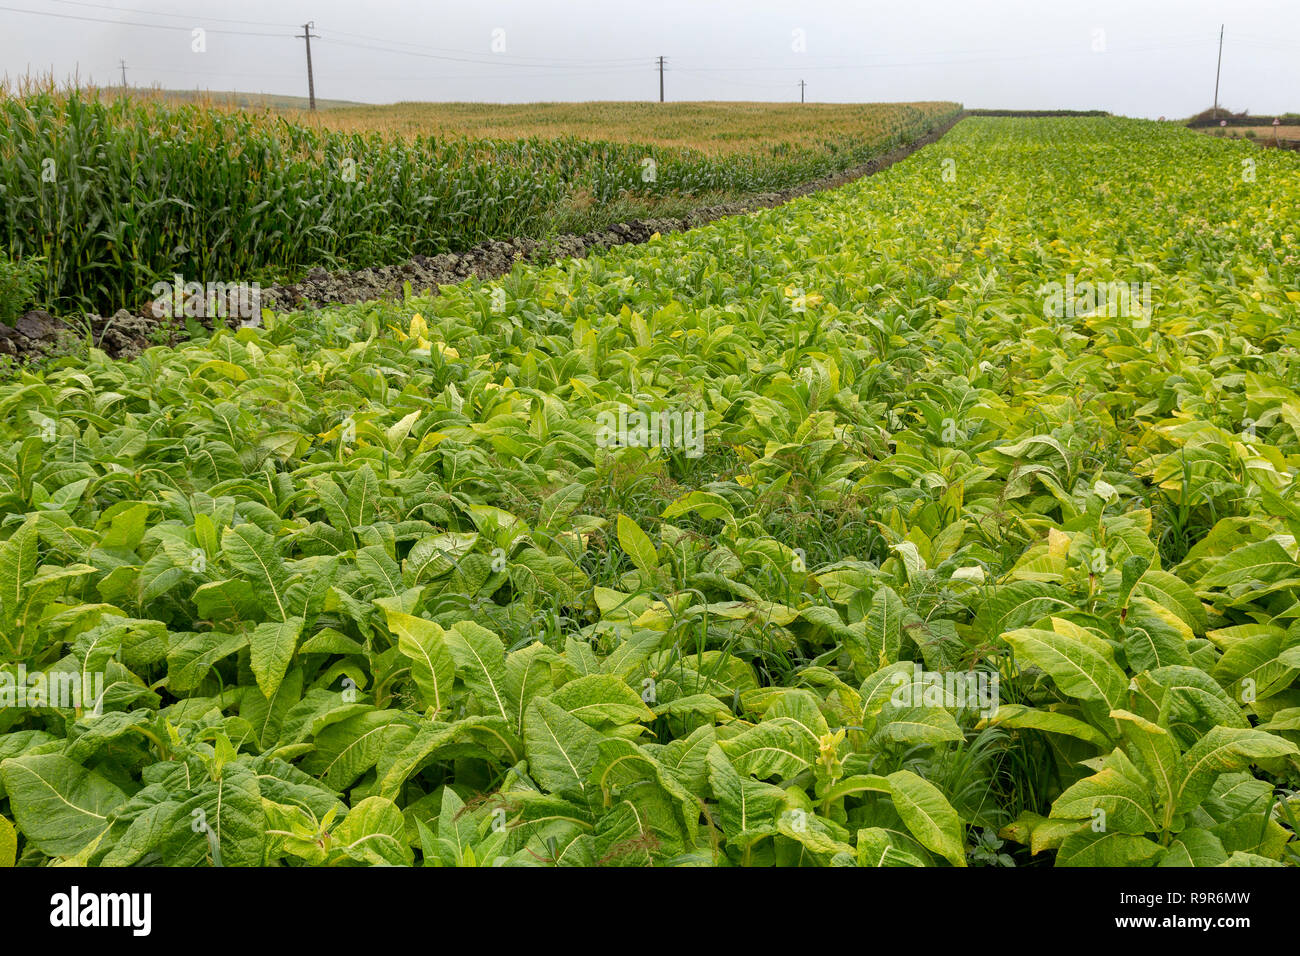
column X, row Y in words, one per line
column 1134, row 57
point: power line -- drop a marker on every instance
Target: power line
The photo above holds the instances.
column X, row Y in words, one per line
column 733, row 82
column 1247, row 36
column 563, row 67
column 625, row 71
column 463, row 55
column 134, row 23
column 1275, row 45
column 520, row 62
column 857, row 57
column 179, row 16
column 906, row 63
column 284, row 76
column 406, row 77
column 490, row 57
column 455, row 59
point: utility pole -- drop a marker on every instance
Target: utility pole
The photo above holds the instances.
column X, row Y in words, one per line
column 661, row 79
column 1216, row 73
column 802, row 84
column 123, row 62
column 311, row 82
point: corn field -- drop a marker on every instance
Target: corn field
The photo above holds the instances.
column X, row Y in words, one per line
column 109, row 194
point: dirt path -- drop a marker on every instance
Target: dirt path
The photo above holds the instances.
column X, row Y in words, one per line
column 126, row 334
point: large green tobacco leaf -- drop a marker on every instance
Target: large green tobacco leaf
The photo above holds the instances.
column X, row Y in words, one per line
column 1255, row 662
column 58, row 805
column 190, row 657
column 1170, row 592
column 266, row 715
column 1089, row 847
column 480, row 663
column 1194, row 847
column 637, row 544
column 1019, row 716
column 750, row 809
column 664, row 808
column 881, row 847
column 432, row 667
column 8, row 843
column 918, row 725
column 1125, row 803
column 459, row 839
column 883, row 635
column 528, row 674
column 345, row 750
column 474, row 735
column 374, row 832
column 1189, row 701
column 1222, row 750
column 1157, row 753
column 1257, row 564
column 227, row 813
column 772, row 749
column 273, row 645
column 18, row 556
column 928, row 815
column 561, row 749
column 1077, row 668
column 598, row 699
column 252, row 551
column 1156, row 637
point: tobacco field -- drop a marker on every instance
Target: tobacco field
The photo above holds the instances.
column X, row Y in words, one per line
column 680, row 554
